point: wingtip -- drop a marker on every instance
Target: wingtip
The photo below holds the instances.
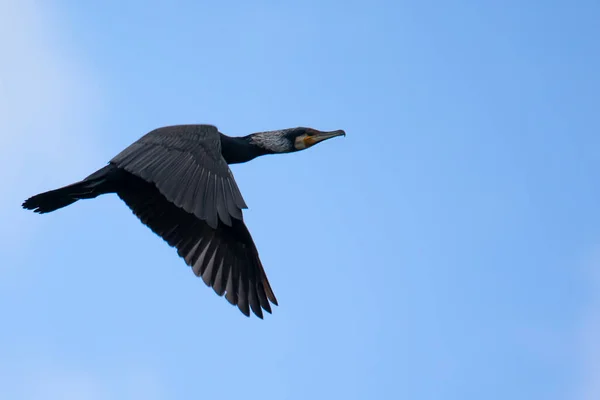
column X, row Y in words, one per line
column 27, row 204
column 245, row 312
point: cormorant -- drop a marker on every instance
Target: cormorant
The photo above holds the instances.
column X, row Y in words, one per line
column 177, row 181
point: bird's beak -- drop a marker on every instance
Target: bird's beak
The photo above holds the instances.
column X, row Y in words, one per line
column 314, row 136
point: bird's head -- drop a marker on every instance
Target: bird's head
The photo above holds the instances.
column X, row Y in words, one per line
column 292, row 139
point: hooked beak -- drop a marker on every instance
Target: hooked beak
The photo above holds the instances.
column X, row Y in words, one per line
column 314, row 136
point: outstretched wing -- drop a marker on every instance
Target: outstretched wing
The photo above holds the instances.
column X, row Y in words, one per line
column 186, row 165
column 226, row 257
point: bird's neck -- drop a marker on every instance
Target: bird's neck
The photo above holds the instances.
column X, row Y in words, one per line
column 237, row 150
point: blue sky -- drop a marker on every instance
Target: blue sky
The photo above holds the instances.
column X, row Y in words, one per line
column 447, row 248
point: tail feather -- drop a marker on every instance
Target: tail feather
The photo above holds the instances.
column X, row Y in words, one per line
column 90, row 187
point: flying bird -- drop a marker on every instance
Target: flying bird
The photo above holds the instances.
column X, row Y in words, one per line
column 177, row 181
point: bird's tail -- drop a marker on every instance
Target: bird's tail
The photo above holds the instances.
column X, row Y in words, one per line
column 94, row 185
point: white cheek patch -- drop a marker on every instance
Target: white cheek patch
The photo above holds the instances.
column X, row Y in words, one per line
column 274, row 141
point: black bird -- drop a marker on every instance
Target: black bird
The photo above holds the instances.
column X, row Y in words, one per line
column 177, row 181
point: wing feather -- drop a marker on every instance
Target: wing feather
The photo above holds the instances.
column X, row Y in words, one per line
column 222, row 202
column 232, row 208
column 186, row 165
column 211, row 190
column 225, row 258
column 231, row 290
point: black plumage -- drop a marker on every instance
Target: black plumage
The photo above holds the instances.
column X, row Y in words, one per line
column 177, row 181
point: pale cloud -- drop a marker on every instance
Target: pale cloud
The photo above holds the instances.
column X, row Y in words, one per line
column 48, row 102
column 47, row 99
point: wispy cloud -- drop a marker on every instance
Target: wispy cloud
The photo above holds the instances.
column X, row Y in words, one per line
column 45, row 99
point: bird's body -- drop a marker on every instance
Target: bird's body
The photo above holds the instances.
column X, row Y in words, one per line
column 177, row 181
